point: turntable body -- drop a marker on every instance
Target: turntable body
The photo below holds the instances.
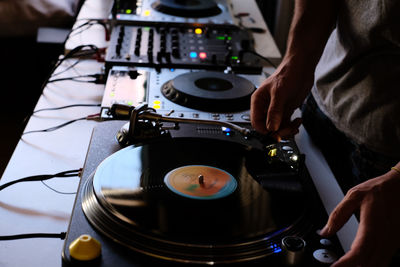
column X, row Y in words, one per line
column 246, row 224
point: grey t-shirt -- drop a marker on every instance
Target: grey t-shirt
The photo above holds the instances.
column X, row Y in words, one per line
column 357, row 81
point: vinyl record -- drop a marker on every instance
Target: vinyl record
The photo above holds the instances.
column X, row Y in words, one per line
column 210, row 91
column 187, row 8
column 190, row 200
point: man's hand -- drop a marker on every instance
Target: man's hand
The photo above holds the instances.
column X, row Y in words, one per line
column 378, row 201
column 274, row 102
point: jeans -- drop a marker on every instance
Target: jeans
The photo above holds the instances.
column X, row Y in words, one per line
column 351, row 163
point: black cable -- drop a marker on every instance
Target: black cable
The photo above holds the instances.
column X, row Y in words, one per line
column 61, row 235
column 55, row 127
column 57, row 191
column 98, row 78
column 42, row 177
column 262, row 57
column 68, row 106
column 67, row 69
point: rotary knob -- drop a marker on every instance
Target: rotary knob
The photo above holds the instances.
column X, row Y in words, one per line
column 294, row 248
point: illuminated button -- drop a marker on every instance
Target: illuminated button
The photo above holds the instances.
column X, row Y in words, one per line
column 287, row 148
column 272, row 152
column 325, row 256
column 146, row 13
column 198, row 31
column 203, row 55
column 128, row 11
column 156, row 106
column 294, row 158
column 246, row 117
column 325, row 242
column 156, row 102
column 227, row 131
column 193, row 54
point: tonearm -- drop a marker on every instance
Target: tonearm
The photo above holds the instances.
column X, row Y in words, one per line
column 146, row 123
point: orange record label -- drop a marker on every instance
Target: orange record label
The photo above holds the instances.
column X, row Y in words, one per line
column 200, row 182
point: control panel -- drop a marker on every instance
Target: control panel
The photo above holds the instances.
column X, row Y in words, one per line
column 183, row 46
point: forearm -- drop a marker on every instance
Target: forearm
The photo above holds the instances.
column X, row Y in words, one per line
column 313, row 22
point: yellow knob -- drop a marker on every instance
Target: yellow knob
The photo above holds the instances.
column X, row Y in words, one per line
column 272, row 152
column 85, row 248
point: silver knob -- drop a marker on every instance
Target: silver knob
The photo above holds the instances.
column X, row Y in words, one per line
column 293, row 247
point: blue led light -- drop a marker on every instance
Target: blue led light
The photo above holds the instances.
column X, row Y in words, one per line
column 193, row 54
column 275, row 248
column 226, row 131
column 172, row 70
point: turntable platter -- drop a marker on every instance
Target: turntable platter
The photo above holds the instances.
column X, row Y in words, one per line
column 133, row 199
column 210, row 91
column 187, row 8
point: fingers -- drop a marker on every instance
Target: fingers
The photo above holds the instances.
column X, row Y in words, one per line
column 275, row 114
column 343, row 211
column 289, row 130
column 258, row 110
column 368, row 248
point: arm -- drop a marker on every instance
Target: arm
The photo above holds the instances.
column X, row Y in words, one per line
column 378, row 201
column 274, row 102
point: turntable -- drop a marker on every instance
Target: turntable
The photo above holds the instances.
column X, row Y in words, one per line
column 180, row 11
column 189, row 93
column 187, row 193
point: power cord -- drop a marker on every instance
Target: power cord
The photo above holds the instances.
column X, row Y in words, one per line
column 43, row 177
column 260, row 56
column 61, row 235
column 51, row 129
column 68, row 106
column 99, row 78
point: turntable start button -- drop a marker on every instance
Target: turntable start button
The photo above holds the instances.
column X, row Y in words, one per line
column 325, row 256
column 246, row 117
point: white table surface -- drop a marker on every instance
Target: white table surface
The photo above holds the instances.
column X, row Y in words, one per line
column 31, row 207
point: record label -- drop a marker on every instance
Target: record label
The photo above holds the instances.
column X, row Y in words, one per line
column 200, row 182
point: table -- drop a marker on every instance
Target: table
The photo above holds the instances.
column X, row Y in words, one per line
column 31, row 207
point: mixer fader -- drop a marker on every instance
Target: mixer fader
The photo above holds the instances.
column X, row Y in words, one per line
column 183, row 46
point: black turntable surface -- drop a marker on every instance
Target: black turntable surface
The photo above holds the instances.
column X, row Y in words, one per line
column 187, row 8
column 194, row 200
column 186, row 200
column 210, row 91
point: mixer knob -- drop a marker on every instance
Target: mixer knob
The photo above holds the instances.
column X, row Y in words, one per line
column 168, row 57
column 137, row 51
column 150, row 56
column 163, row 42
column 119, row 41
column 175, row 43
column 214, row 59
column 174, row 37
column 159, row 56
column 293, row 247
column 175, row 52
column 118, row 49
column 228, row 57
